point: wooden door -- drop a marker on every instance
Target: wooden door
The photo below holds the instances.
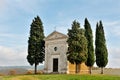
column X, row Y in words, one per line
column 55, row 65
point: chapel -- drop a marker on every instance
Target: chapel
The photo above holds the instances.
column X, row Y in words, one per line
column 55, row 55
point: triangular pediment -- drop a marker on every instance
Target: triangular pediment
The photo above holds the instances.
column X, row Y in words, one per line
column 55, row 35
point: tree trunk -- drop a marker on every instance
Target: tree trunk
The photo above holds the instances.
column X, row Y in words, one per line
column 35, row 69
column 102, row 70
column 77, row 68
column 90, row 70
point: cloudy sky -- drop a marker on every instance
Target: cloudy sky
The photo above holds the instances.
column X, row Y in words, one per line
column 17, row 15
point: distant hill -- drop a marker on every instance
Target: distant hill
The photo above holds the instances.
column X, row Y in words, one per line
column 21, row 67
column 5, row 70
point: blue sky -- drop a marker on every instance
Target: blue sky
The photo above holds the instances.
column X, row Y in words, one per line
column 17, row 15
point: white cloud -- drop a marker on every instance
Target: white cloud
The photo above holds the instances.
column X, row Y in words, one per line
column 62, row 29
column 16, row 7
column 113, row 28
column 29, row 6
column 113, row 57
column 12, row 56
column 2, row 4
column 13, row 40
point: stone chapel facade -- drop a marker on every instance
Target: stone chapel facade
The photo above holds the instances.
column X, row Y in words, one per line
column 55, row 55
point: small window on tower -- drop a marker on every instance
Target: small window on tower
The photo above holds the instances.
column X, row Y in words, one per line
column 55, row 48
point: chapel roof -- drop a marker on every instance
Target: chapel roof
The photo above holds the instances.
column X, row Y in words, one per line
column 55, row 35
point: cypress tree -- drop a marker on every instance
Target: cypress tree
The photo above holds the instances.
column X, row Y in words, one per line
column 36, row 43
column 77, row 45
column 101, row 49
column 89, row 36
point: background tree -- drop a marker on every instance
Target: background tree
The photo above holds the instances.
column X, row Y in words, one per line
column 77, row 45
column 89, row 36
column 36, row 43
column 101, row 49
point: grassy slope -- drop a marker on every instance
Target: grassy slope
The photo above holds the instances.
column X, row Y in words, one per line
column 61, row 77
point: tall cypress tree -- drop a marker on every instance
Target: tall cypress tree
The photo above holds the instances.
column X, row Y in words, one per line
column 101, row 49
column 77, row 45
column 89, row 36
column 36, row 43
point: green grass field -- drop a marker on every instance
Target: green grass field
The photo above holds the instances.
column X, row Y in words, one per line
column 60, row 77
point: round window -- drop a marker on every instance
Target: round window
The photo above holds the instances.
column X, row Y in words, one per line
column 55, row 48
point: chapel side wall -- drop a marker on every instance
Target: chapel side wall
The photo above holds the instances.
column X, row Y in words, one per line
column 63, row 57
column 82, row 70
